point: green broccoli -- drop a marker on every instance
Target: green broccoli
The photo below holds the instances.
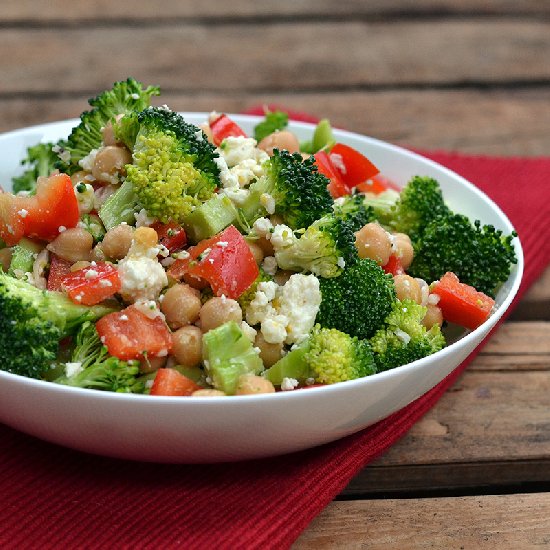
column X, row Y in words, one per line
column 98, row 370
column 299, row 191
column 328, row 245
column 358, row 300
column 276, row 120
column 419, row 203
column 228, row 354
column 383, row 206
column 479, row 255
column 404, row 339
column 125, row 97
column 174, row 169
column 32, row 323
column 40, row 161
column 326, row 357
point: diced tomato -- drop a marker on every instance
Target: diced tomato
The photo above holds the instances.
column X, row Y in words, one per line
column 93, row 284
column 171, row 235
column 461, row 303
column 223, row 127
column 12, row 226
column 377, row 184
column 394, row 266
column 353, row 166
column 336, row 187
column 171, row 382
column 225, row 261
column 129, row 334
column 53, row 208
column 58, row 269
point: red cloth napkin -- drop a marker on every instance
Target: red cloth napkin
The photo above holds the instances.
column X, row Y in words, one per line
column 51, row 496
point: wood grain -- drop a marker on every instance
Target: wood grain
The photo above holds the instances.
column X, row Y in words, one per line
column 188, row 57
column 125, row 10
column 468, row 523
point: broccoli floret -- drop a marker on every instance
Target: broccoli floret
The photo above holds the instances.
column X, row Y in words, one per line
column 228, row 354
column 174, row 169
column 334, row 356
column 479, row 255
column 32, row 323
column 125, row 97
column 419, row 203
column 404, row 339
column 276, row 120
column 383, row 206
column 98, row 370
column 298, row 189
column 358, row 300
column 40, row 161
column 328, row 245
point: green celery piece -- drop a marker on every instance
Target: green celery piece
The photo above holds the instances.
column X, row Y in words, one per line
column 292, row 365
column 23, row 256
column 210, row 218
column 228, row 354
column 120, row 207
column 323, row 138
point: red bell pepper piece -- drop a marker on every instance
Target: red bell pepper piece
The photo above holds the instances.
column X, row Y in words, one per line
column 394, row 266
column 353, row 166
column 171, row 382
column 92, row 284
column 461, row 303
column 171, row 235
column 336, row 187
column 377, row 184
column 223, row 127
column 58, row 269
column 129, row 334
column 225, row 261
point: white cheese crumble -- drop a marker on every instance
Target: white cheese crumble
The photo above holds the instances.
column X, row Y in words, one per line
column 248, row 331
column 433, row 299
column 268, row 202
column 282, row 236
column 149, row 308
column 23, row 213
column 61, row 229
column 269, row 265
column 91, row 274
column 263, row 227
column 62, row 153
column 143, row 219
column 87, row 163
column 289, row 384
column 72, row 369
column 402, row 335
column 85, row 196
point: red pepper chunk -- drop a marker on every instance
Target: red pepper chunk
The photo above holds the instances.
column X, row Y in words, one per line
column 393, row 266
column 223, row 127
column 171, row 382
column 129, row 334
column 91, row 285
column 353, row 166
column 58, row 269
column 461, row 303
column 225, row 261
column 377, row 184
column 171, row 235
column 337, row 187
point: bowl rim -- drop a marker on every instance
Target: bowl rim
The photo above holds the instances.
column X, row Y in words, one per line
column 314, row 392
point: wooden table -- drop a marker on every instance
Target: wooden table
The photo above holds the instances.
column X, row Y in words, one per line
column 432, row 74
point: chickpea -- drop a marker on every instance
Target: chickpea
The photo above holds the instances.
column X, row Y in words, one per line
column 109, row 135
column 257, row 251
column 97, row 254
column 248, row 384
column 266, row 246
column 372, row 241
column 217, row 311
column 72, row 245
column 117, row 241
column 187, row 346
column 282, row 139
column 146, row 236
column 403, row 249
column 205, row 127
column 208, row 393
column 181, row 305
column 434, row 316
column 109, row 161
column 5, row 258
column 407, row 287
column 79, row 177
column 151, row 364
column 269, row 353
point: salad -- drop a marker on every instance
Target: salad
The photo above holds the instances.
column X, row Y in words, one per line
column 144, row 254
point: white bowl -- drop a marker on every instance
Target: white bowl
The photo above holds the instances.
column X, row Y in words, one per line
column 180, row 430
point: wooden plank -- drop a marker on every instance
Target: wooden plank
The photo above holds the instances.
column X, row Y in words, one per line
column 187, row 57
column 480, row 522
column 124, row 10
